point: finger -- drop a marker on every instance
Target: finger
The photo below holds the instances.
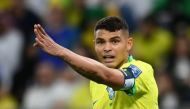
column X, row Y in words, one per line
column 37, row 28
column 45, row 38
column 38, row 42
column 38, row 35
column 35, row 44
column 41, row 29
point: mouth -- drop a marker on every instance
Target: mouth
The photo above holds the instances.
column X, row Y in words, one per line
column 108, row 58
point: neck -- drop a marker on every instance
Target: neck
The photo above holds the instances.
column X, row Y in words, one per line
column 124, row 61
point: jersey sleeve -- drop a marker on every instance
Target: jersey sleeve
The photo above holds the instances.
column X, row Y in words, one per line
column 130, row 74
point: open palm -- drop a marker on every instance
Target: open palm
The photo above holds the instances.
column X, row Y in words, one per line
column 44, row 42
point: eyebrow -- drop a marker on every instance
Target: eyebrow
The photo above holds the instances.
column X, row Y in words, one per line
column 115, row 37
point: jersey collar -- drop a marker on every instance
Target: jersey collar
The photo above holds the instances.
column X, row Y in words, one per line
column 129, row 60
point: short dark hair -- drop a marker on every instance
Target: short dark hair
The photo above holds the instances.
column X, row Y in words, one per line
column 111, row 23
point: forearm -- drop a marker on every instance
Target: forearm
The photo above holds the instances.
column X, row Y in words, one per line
column 83, row 65
column 87, row 67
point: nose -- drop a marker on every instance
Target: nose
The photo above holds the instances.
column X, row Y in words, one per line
column 107, row 47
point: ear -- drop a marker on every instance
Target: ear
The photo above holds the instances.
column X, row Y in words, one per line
column 129, row 43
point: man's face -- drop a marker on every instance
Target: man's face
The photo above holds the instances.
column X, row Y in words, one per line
column 112, row 47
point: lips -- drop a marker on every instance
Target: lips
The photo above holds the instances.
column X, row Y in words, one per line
column 108, row 58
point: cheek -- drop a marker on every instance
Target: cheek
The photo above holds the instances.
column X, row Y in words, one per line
column 98, row 51
column 121, row 51
column 121, row 47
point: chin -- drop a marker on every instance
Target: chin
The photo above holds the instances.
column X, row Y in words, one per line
column 110, row 65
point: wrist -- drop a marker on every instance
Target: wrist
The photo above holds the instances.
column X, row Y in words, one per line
column 60, row 51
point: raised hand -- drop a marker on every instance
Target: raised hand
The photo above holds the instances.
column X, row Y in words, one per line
column 44, row 42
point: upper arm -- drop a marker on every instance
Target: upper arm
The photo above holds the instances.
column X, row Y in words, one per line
column 120, row 79
column 131, row 73
column 143, row 79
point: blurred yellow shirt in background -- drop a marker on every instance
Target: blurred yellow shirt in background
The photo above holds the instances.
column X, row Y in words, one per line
column 154, row 49
column 7, row 102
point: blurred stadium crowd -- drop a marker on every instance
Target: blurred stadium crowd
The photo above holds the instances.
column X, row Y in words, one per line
column 31, row 79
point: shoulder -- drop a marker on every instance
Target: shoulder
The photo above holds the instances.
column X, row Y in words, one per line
column 138, row 68
column 147, row 70
column 143, row 66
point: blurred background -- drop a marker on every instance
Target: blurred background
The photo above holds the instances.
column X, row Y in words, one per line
column 32, row 79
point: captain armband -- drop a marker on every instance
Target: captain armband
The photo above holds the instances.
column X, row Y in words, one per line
column 130, row 73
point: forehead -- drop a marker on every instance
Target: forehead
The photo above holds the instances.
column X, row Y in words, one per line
column 104, row 34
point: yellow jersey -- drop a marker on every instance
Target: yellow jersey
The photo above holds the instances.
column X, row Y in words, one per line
column 142, row 95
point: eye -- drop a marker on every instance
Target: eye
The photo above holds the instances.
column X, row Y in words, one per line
column 100, row 42
column 115, row 41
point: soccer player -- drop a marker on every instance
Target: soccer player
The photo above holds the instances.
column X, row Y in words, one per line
column 119, row 81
